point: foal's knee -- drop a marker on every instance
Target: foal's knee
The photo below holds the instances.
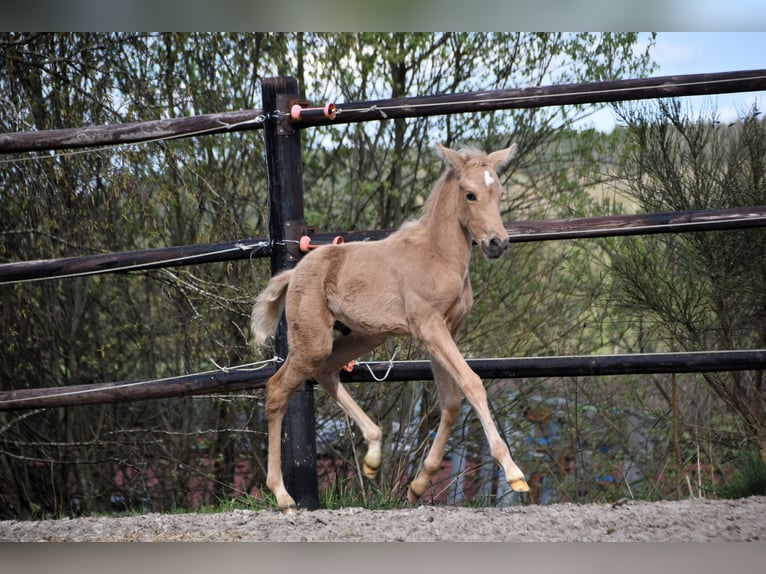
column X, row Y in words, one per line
column 474, row 390
column 450, row 412
column 279, row 389
column 276, row 397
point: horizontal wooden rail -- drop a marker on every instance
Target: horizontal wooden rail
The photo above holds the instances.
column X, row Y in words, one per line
column 552, row 229
column 573, row 366
column 541, row 96
column 509, row 368
column 134, row 260
column 98, row 393
column 638, row 224
column 132, row 132
column 376, row 110
column 603, row 226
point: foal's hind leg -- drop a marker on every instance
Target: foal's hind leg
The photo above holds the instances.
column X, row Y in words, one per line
column 346, row 348
column 279, row 389
column 371, row 432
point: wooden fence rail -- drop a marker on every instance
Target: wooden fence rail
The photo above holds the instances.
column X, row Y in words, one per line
column 542, row 96
column 131, row 132
column 281, row 136
column 376, row 110
column 228, row 381
column 522, row 231
column 134, row 260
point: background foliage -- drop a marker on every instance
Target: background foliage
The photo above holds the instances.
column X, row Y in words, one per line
column 579, row 439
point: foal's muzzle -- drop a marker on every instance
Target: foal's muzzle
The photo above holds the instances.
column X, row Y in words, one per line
column 495, row 247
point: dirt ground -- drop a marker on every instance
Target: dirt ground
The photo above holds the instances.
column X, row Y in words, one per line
column 685, row 520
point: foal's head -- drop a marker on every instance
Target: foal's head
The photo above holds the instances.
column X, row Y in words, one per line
column 478, row 200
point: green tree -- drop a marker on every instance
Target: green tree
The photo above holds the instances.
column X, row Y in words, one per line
column 537, row 299
column 166, row 322
column 698, row 291
column 125, row 327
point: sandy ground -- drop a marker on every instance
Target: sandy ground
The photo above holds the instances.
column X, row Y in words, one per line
column 686, row 520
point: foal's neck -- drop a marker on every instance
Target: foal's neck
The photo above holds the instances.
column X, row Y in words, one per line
column 442, row 225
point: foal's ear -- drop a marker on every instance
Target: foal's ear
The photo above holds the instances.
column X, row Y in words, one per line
column 501, row 158
column 451, row 157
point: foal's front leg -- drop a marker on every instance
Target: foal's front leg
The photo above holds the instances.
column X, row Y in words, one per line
column 449, row 400
column 434, row 334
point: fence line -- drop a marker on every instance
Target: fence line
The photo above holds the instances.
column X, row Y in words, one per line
column 133, row 260
column 286, row 218
column 536, row 97
column 518, row 232
column 376, row 110
column 593, row 92
column 131, row 133
column 234, row 380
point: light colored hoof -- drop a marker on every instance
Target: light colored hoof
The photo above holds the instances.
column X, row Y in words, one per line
column 289, row 509
column 519, row 485
column 369, row 471
column 412, row 496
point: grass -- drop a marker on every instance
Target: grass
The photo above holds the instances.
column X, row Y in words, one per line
column 749, row 480
column 343, row 495
column 340, row 495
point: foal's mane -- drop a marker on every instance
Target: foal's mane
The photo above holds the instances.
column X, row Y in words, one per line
column 475, row 158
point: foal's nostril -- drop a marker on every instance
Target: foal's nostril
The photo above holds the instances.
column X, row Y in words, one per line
column 494, row 247
column 497, row 243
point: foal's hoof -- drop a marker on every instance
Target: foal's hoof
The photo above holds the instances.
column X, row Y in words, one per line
column 412, row 496
column 288, row 510
column 369, row 471
column 519, row 485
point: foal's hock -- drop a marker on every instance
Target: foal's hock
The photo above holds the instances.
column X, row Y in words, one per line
column 415, row 282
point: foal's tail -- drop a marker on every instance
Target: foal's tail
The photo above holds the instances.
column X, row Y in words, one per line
column 268, row 308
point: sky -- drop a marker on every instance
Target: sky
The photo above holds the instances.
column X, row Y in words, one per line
column 705, row 52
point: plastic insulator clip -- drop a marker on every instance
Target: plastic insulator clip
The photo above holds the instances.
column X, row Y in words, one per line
column 330, row 111
column 295, row 112
column 305, row 244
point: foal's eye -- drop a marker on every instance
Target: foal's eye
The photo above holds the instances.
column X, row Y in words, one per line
column 470, row 196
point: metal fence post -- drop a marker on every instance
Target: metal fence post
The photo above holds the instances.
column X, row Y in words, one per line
column 285, row 181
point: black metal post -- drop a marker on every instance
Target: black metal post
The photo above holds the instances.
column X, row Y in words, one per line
column 285, row 178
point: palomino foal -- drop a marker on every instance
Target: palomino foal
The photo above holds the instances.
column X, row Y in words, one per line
column 415, row 282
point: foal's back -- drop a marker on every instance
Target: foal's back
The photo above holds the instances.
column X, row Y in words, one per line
column 360, row 284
